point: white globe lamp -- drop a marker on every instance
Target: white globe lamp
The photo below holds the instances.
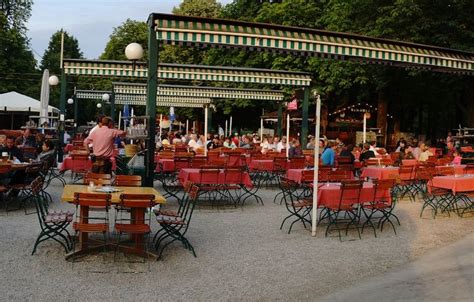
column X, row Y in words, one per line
column 105, row 97
column 53, row 80
column 134, row 51
column 70, row 101
column 99, row 105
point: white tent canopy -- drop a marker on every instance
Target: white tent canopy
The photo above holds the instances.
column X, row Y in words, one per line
column 14, row 101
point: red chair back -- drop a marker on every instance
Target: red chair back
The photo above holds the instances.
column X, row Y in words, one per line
column 406, row 172
column 134, row 201
column 198, row 162
column 128, row 180
column 209, row 176
column 297, row 163
column 350, row 193
column 92, row 199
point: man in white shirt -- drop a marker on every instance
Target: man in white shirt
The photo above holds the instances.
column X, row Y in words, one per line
column 281, row 145
column 192, row 144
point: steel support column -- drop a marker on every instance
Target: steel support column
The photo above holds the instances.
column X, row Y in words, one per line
column 152, row 83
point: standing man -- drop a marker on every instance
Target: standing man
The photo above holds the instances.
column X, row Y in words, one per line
column 102, row 140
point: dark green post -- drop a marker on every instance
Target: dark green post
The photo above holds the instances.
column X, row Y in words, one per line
column 280, row 119
column 112, row 106
column 62, row 115
column 304, row 118
column 152, row 83
column 76, row 113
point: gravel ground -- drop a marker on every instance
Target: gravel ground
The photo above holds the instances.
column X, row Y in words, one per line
column 242, row 255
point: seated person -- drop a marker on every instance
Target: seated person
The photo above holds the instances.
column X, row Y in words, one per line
column 26, row 140
column 366, row 153
column 347, row 152
column 295, row 149
column 245, row 143
column 425, row 153
column 13, row 151
column 229, row 144
column 48, row 151
column 329, row 155
column 457, row 158
column 3, row 139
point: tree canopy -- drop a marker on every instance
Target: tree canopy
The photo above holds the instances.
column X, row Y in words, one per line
column 17, row 63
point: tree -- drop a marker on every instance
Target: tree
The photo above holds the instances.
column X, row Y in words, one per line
column 17, row 63
column 130, row 31
column 201, row 8
column 52, row 55
column 15, row 14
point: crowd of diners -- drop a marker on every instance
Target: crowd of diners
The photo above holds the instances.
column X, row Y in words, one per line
column 329, row 149
column 27, row 147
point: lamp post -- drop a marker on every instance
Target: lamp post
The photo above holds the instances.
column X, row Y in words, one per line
column 52, row 81
column 134, row 52
column 105, row 99
column 70, row 101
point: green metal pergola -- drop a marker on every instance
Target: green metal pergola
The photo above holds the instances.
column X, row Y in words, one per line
column 125, row 69
column 193, row 31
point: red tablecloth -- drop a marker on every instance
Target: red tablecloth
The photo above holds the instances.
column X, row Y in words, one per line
column 458, row 169
column 330, row 194
column 379, row 172
column 261, row 165
column 467, row 149
column 68, row 164
column 409, row 162
column 460, row 183
column 190, row 174
column 295, row 174
column 166, row 163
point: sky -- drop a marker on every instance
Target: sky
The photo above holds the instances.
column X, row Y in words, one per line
column 90, row 21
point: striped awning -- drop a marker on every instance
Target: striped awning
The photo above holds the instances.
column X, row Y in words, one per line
column 162, row 101
column 91, row 94
column 201, row 92
column 175, row 29
column 186, row 72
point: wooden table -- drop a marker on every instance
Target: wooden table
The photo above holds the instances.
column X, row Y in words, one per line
column 136, row 215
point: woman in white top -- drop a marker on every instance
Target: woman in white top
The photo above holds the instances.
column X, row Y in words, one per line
column 281, row 145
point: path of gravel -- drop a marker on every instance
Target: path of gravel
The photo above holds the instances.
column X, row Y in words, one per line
column 242, row 255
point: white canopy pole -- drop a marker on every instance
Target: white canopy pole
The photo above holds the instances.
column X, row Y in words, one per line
column 206, row 108
column 225, row 129
column 161, row 123
column 230, row 126
column 261, row 130
column 287, row 134
column 364, row 133
column 194, row 127
column 314, row 215
column 187, row 126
